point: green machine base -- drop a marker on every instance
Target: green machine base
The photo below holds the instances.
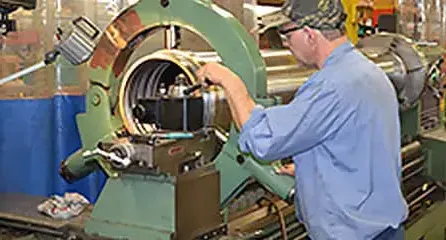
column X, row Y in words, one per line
column 162, row 207
column 432, row 226
column 133, row 199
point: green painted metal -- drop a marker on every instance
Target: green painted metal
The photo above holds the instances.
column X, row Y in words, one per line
column 78, row 165
column 233, row 177
column 238, row 51
column 435, row 144
column 135, row 207
column 410, row 123
column 98, row 111
column 431, row 227
column 264, row 173
column 139, row 200
column 235, row 46
column 129, row 232
column 234, row 174
column 236, row 168
column 101, row 76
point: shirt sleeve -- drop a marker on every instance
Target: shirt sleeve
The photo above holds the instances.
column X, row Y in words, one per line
column 283, row 131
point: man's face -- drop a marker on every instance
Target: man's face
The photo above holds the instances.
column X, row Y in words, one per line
column 297, row 40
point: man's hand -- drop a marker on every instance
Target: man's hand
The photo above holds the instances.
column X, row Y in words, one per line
column 240, row 103
column 217, row 74
column 288, row 169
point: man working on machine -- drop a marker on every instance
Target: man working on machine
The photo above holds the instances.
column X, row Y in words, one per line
column 342, row 129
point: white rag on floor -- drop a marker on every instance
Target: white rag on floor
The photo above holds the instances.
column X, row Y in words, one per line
column 66, row 207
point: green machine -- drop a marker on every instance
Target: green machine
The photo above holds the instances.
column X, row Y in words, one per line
column 171, row 156
column 169, row 149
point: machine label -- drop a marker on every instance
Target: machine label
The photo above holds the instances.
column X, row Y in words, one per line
column 175, row 150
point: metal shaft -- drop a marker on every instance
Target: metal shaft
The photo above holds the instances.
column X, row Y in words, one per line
column 285, row 75
column 24, row 72
column 185, row 113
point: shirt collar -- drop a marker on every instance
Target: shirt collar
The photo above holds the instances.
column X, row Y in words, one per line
column 338, row 52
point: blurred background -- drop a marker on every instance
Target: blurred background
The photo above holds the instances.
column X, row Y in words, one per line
column 44, row 104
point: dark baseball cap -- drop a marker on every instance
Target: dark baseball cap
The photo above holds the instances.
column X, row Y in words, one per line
column 317, row 14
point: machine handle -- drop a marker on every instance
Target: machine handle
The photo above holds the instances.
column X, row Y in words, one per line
column 24, row 72
column 111, row 156
column 196, row 87
column 174, row 135
column 192, row 89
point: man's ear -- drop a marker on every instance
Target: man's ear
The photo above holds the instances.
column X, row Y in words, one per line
column 310, row 35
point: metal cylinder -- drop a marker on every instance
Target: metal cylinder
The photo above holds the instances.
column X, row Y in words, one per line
column 401, row 59
column 285, row 74
column 410, row 149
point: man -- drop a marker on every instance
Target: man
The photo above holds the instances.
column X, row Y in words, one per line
column 342, row 129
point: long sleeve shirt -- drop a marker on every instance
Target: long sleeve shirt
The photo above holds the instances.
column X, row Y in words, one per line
column 342, row 130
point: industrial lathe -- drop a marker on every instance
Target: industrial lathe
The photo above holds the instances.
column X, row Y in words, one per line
column 169, row 149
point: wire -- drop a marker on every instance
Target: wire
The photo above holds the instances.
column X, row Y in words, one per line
column 281, row 217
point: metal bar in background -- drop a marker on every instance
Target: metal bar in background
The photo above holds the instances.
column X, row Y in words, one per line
column 24, row 72
column 413, row 163
column 422, row 196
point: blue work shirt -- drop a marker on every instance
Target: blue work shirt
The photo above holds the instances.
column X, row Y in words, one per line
column 342, row 130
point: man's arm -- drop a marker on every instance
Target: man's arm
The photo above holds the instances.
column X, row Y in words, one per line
column 281, row 131
column 286, row 130
column 240, row 103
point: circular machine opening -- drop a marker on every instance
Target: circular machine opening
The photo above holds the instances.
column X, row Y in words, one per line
column 144, row 94
column 148, row 92
column 154, row 65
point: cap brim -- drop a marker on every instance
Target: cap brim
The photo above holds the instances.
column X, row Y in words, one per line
column 271, row 20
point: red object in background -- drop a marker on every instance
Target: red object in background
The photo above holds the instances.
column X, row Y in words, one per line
column 378, row 12
column 21, row 38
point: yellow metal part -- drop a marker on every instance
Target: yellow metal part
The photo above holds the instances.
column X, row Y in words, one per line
column 271, row 2
column 351, row 24
column 385, row 4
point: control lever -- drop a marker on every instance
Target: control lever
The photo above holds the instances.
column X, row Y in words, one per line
column 194, row 87
column 173, row 135
column 50, row 57
column 76, row 43
column 114, row 159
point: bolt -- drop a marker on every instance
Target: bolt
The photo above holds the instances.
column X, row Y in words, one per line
column 240, row 159
column 165, row 3
column 96, row 100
